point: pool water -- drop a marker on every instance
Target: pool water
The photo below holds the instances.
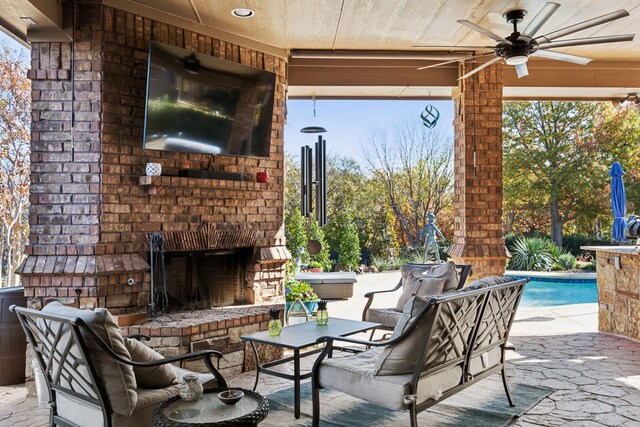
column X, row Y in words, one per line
column 548, row 293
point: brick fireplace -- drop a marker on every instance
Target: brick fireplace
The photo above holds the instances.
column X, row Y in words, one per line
column 93, row 209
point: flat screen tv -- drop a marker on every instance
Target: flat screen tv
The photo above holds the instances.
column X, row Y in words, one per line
column 201, row 104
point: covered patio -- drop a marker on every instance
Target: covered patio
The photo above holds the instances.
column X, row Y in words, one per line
column 93, row 210
column 596, row 376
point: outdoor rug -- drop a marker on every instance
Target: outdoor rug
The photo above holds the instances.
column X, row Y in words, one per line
column 482, row 405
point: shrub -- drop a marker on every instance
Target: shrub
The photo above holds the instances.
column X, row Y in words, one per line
column 315, row 264
column 589, row 267
column 532, row 254
column 296, row 234
column 573, row 242
column 567, row 261
column 382, row 264
column 316, row 233
column 343, row 236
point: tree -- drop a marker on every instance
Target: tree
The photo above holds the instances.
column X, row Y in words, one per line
column 15, row 120
column 551, row 158
column 414, row 168
column 382, row 239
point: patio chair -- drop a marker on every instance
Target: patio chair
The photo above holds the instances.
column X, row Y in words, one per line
column 88, row 367
column 441, row 346
column 388, row 317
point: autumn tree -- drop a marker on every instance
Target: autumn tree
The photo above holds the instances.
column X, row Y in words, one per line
column 15, row 118
column 553, row 160
column 413, row 165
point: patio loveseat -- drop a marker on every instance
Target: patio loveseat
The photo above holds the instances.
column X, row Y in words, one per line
column 95, row 376
column 440, row 346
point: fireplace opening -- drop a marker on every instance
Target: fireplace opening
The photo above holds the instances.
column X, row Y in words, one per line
column 197, row 280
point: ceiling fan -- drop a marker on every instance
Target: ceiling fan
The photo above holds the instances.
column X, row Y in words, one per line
column 516, row 48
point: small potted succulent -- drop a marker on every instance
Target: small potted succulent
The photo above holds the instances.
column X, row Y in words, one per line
column 295, row 289
column 314, row 267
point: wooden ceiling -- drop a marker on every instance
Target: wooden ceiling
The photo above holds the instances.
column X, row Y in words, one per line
column 395, row 24
column 282, row 26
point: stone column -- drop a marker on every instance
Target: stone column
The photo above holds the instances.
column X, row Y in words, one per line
column 478, row 237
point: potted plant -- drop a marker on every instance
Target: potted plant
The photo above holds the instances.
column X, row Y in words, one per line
column 295, row 289
column 314, row 267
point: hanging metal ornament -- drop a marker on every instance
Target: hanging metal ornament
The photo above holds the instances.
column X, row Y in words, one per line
column 313, row 128
column 430, row 116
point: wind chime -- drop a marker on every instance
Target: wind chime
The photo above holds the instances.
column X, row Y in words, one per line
column 430, row 116
column 308, row 181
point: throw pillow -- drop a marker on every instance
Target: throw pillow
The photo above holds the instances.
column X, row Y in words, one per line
column 448, row 271
column 419, row 285
column 118, row 379
column 155, row 377
column 401, row 358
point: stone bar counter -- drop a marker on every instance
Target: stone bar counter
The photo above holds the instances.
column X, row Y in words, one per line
column 618, row 276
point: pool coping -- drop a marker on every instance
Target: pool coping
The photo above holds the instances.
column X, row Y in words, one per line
column 551, row 275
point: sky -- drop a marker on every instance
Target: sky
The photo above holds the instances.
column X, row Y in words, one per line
column 350, row 122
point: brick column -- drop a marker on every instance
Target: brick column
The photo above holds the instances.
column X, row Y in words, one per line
column 478, row 238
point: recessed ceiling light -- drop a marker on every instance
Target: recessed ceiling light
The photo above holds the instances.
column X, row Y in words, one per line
column 242, row 13
column 27, row 20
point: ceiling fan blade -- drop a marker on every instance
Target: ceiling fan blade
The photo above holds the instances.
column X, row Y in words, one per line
column 582, row 26
column 483, row 31
column 563, row 57
column 453, row 47
column 475, row 70
column 588, row 40
column 455, row 60
column 522, row 70
column 540, row 19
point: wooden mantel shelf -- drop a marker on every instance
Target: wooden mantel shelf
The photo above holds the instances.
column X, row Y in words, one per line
column 156, row 183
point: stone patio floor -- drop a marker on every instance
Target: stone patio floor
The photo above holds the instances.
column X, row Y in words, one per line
column 596, row 376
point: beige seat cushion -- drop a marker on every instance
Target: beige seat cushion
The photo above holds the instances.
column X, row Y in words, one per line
column 354, row 375
column 154, row 377
column 401, row 358
column 118, row 379
column 388, row 317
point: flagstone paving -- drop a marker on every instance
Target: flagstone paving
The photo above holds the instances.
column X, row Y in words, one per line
column 596, row 376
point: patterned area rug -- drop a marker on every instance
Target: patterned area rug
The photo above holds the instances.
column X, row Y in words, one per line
column 481, row 405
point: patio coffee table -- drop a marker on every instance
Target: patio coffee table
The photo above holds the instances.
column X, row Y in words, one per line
column 296, row 338
column 209, row 411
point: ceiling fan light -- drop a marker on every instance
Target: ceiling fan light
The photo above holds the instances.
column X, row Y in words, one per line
column 516, row 59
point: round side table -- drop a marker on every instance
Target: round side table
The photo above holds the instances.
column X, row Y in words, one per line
column 210, row 412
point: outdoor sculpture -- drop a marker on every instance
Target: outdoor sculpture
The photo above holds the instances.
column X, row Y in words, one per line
column 430, row 231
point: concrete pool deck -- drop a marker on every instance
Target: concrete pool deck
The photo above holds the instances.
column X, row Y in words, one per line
column 596, row 376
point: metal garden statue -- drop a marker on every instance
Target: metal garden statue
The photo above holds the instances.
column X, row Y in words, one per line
column 430, row 231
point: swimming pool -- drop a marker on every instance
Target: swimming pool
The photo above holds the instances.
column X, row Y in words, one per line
column 542, row 292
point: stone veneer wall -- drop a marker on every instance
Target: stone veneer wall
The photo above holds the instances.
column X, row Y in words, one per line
column 87, row 204
column 478, row 237
column 619, row 293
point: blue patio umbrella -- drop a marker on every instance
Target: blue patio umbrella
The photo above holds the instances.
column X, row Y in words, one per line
column 618, row 202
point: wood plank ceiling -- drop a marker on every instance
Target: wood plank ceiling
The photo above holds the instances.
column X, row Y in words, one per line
column 281, row 26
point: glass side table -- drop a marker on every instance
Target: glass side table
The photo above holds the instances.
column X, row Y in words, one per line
column 210, row 411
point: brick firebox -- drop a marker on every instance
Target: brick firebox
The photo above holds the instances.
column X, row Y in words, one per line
column 91, row 212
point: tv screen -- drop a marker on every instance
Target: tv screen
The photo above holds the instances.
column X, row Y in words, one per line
column 201, row 104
